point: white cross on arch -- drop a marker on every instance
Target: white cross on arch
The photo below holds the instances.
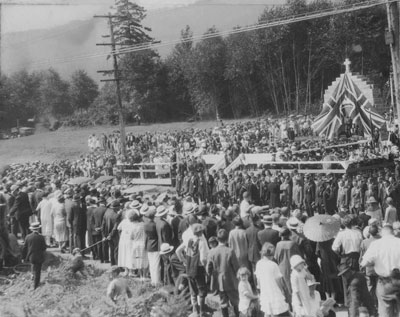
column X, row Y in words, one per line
column 347, row 63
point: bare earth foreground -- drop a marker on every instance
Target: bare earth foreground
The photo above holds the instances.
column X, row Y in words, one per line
column 70, row 143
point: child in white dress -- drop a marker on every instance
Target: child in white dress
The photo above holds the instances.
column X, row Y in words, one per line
column 246, row 295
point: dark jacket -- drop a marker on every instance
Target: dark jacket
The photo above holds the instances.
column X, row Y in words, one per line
column 222, row 261
column 274, row 195
column 34, row 248
column 268, row 235
column 164, row 232
column 109, row 225
column 253, row 243
column 151, row 242
column 21, row 207
column 97, row 219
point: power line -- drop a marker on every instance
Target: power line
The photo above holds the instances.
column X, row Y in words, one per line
column 276, row 22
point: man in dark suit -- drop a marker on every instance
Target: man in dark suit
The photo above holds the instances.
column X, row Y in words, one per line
column 222, row 260
column 109, row 230
column 309, row 195
column 268, row 234
column 97, row 220
column 34, row 251
column 21, row 210
column 164, row 233
column 254, row 245
column 274, row 193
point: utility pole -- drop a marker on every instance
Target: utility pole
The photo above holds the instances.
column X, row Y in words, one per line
column 393, row 39
column 116, row 79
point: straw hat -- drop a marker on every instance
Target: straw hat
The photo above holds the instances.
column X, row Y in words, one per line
column 161, row 211
column 166, row 248
column 35, row 226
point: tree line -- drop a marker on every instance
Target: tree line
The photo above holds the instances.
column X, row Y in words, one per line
column 270, row 70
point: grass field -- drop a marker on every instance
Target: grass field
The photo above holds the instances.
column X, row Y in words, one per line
column 70, row 143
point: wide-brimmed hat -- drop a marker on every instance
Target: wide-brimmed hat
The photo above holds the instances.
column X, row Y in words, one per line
column 151, row 212
column 292, row 223
column 371, row 200
column 188, row 208
column 35, row 226
column 267, row 220
column 76, row 197
column 295, row 260
column 161, row 211
column 166, row 248
column 144, row 208
column 135, row 204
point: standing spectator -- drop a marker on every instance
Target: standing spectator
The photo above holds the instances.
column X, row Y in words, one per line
column 301, row 299
column 355, row 198
column 125, row 245
column 109, row 230
column 384, row 256
column 309, row 195
column 273, row 291
column 297, row 195
column 151, row 244
column 34, row 252
column 357, row 291
column 60, row 221
column 343, row 197
column 96, row 223
column 254, row 245
column 274, row 193
column 223, row 260
column 46, row 219
column 164, row 233
column 238, row 242
column 196, row 251
column 391, row 212
column 285, row 249
column 139, row 253
column 330, row 283
column 348, row 242
column 20, row 210
column 268, row 234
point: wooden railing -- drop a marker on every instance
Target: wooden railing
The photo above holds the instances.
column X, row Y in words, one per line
column 148, row 173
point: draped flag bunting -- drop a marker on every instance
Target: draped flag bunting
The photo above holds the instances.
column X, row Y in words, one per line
column 347, row 100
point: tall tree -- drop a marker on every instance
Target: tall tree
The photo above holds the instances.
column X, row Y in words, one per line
column 54, row 95
column 83, row 90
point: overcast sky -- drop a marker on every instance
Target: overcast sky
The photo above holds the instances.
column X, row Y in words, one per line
column 27, row 17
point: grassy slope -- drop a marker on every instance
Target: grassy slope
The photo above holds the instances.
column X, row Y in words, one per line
column 69, row 144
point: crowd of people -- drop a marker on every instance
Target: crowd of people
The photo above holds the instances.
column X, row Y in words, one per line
column 237, row 235
column 240, row 238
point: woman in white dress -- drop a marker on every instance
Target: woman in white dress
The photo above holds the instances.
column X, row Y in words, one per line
column 46, row 218
column 140, row 259
column 271, row 284
column 125, row 245
column 60, row 222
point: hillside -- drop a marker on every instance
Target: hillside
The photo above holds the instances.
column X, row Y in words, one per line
column 55, row 47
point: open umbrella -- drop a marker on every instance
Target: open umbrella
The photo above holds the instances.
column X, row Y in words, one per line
column 79, row 180
column 321, row 228
column 103, row 179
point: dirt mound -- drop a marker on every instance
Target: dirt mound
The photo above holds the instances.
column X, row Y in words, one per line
column 65, row 294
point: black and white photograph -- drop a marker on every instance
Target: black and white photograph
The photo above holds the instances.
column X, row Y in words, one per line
column 199, row 158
